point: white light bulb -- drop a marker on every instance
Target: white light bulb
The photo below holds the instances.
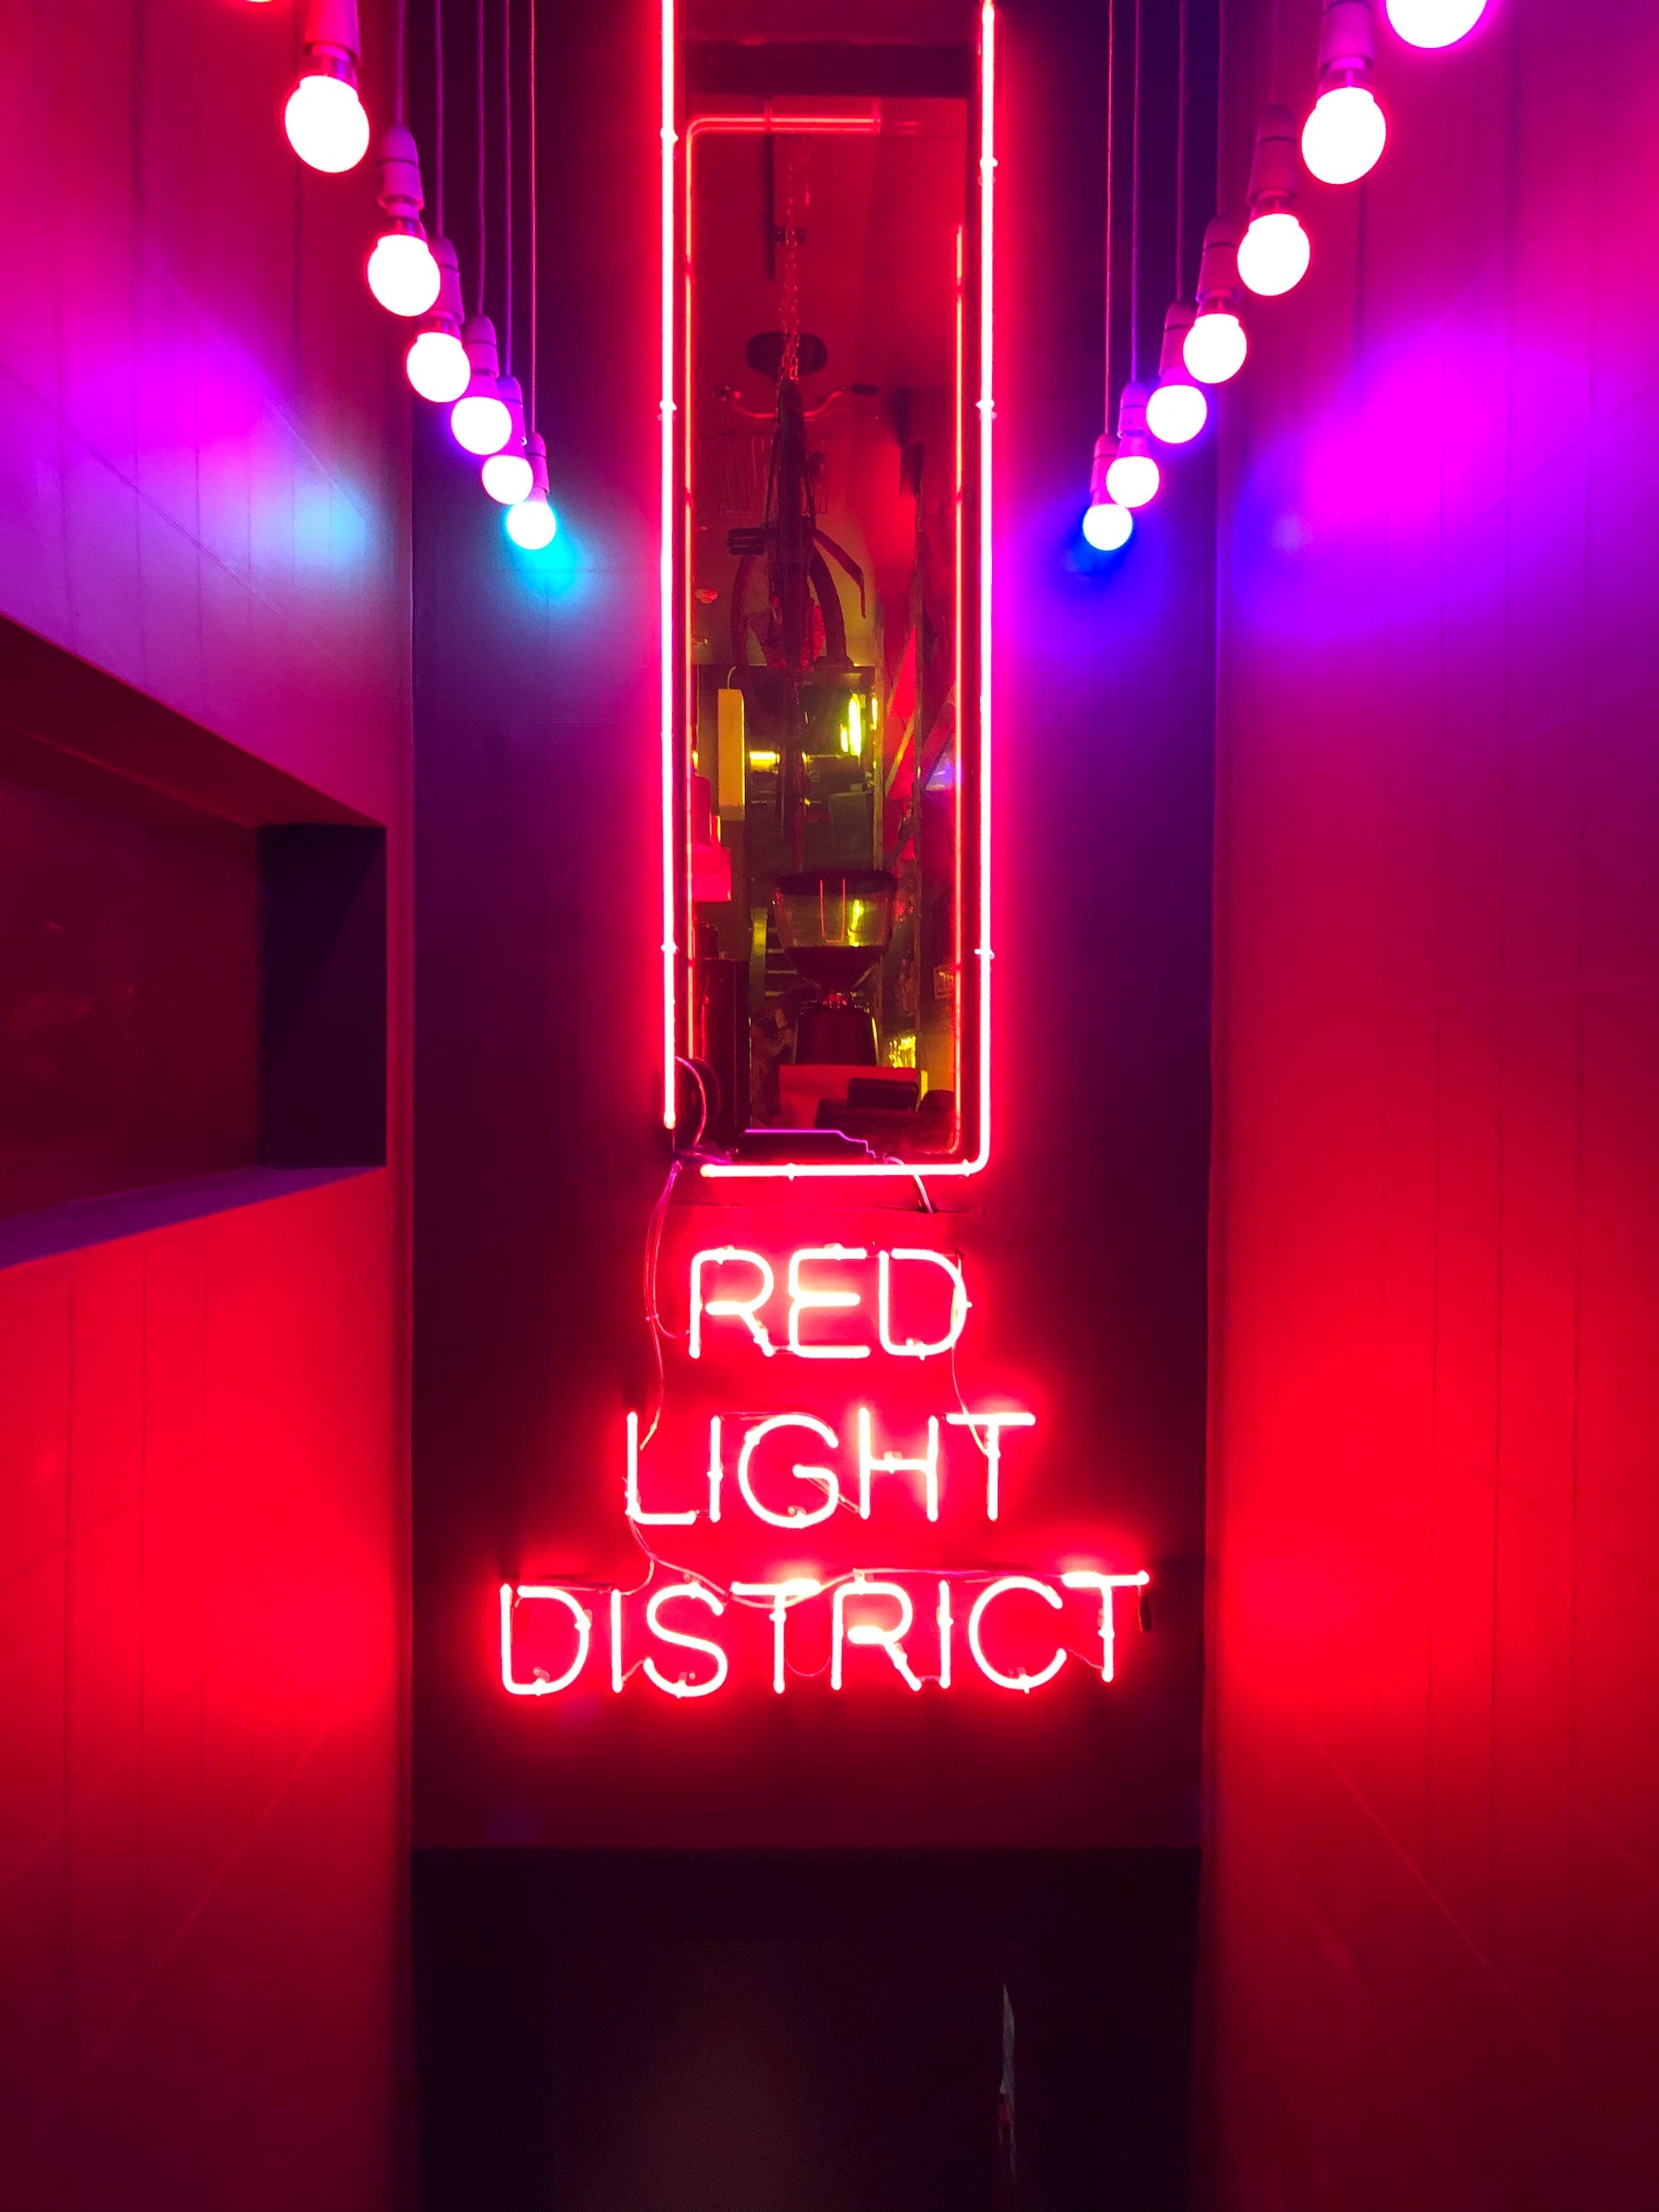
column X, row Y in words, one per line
column 1273, row 254
column 326, row 123
column 1107, row 526
column 532, row 523
column 402, row 273
column 1435, row 22
column 1343, row 137
column 481, row 422
column 1132, row 479
column 437, row 365
column 1176, row 412
column 1214, row 347
column 508, row 478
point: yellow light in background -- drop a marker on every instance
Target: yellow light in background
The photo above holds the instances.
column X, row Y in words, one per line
column 853, row 740
column 763, row 759
column 902, row 1048
column 730, row 797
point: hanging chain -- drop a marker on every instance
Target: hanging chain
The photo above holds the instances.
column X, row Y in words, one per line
column 789, row 288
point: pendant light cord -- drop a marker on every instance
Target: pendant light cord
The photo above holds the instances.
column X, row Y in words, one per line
column 1111, row 89
column 399, row 57
column 1181, row 153
column 478, row 306
column 1221, row 169
column 530, row 393
column 506, row 187
column 438, row 113
column 1134, row 211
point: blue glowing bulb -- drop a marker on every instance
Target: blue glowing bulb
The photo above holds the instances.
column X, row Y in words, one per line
column 531, row 524
column 1106, row 525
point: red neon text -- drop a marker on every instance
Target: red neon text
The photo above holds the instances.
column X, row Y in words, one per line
column 782, row 1478
column 733, row 1284
column 683, row 1640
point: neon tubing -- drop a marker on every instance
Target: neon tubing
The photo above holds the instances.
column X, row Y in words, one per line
column 670, row 945
column 631, row 1506
column 540, row 1685
column 988, row 164
column 982, row 1604
column 1081, row 1579
column 653, row 1673
column 770, row 120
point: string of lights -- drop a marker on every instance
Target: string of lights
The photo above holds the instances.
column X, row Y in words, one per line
column 1205, row 340
column 456, row 362
column 453, row 360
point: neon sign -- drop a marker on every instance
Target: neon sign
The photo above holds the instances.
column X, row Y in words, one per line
column 824, row 1519
column 779, row 1476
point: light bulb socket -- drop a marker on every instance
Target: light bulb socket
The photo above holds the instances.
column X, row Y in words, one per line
column 509, row 392
column 322, row 60
column 478, row 337
column 401, row 226
column 332, row 41
column 1132, row 437
column 400, row 178
column 1347, row 43
column 1218, row 290
column 1275, row 164
column 535, row 447
column 1105, row 455
column 1171, row 363
column 447, row 312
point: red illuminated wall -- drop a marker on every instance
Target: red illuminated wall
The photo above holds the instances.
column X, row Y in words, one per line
column 198, row 1829
column 201, row 480
column 1435, row 1801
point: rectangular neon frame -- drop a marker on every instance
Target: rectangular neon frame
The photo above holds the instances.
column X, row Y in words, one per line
column 674, row 863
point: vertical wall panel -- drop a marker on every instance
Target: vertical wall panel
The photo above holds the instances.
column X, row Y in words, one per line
column 1435, row 1874
column 204, row 492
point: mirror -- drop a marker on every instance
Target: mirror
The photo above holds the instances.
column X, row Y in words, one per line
column 830, row 746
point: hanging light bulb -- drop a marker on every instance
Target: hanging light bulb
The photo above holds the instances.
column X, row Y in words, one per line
column 1343, row 136
column 1132, row 474
column 507, row 475
column 324, row 118
column 531, row 523
column 1176, row 410
column 1272, row 255
column 403, row 272
column 480, row 418
column 1435, row 22
column 1214, row 348
column 1106, row 525
column 436, row 362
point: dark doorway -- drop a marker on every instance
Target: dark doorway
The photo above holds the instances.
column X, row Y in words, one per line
column 637, row 2032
